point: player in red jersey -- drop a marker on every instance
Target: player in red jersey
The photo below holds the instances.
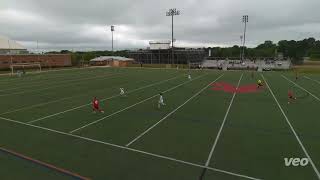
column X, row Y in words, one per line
column 95, row 105
column 291, row 97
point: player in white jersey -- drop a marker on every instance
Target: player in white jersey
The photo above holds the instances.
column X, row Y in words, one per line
column 189, row 77
column 122, row 93
column 161, row 103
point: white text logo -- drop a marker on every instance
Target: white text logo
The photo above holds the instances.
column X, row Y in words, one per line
column 296, row 161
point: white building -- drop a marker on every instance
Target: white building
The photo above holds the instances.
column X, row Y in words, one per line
column 8, row 46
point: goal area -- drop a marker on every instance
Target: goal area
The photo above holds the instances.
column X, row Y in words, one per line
column 23, row 67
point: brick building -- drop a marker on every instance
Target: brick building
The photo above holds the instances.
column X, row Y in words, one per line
column 46, row 60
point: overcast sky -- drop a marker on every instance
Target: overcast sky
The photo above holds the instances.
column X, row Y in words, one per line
column 85, row 24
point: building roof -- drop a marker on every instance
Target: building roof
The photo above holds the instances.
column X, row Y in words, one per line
column 160, row 42
column 110, row 58
column 6, row 43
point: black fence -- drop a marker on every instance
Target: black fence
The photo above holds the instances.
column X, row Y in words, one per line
column 181, row 56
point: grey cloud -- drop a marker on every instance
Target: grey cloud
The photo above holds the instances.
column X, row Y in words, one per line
column 83, row 24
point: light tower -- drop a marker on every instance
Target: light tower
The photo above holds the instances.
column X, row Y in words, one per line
column 10, row 52
column 241, row 37
column 172, row 12
column 245, row 19
column 112, row 29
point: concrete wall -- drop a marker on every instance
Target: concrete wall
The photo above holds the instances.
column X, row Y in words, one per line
column 52, row 60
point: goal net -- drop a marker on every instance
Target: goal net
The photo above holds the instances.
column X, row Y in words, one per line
column 195, row 65
column 22, row 68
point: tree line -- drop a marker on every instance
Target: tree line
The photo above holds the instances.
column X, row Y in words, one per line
column 295, row 50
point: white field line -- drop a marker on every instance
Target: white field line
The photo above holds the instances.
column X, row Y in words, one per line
column 301, row 88
column 312, row 79
column 61, row 85
column 133, row 105
column 169, row 114
column 127, row 148
column 292, row 129
column 111, row 97
column 48, row 71
column 61, row 99
column 222, row 125
column 39, row 82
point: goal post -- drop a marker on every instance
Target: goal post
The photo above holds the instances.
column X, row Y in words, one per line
column 195, row 65
column 24, row 66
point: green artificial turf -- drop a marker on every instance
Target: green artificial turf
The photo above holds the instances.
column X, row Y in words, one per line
column 48, row 117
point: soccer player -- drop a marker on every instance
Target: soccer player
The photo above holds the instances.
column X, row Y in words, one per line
column 160, row 102
column 291, row 97
column 95, row 106
column 189, row 77
column 122, row 93
column 259, row 83
column 19, row 73
column 296, row 75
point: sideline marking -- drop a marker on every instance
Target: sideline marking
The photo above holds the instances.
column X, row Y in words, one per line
column 292, row 129
column 126, row 148
column 46, row 165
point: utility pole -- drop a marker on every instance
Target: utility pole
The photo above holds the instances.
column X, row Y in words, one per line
column 172, row 12
column 11, row 63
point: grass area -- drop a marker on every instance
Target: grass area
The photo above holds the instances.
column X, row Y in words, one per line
column 181, row 66
column 307, row 69
column 202, row 132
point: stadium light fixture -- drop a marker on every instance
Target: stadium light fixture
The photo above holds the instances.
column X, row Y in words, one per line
column 112, row 29
column 245, row 20
column 172, row 12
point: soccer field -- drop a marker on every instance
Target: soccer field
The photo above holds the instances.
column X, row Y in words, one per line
column 216, row 126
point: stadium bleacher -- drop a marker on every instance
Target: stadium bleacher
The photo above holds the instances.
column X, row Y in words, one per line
column 267, row 64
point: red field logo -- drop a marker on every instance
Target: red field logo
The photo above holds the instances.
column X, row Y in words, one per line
column 226, row 87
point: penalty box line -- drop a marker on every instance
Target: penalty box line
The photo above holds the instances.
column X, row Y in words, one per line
column 127, row 148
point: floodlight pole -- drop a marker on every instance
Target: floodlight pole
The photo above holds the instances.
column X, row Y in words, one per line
column 241, row 37
column 172, row 12
column 10, row 57
column 112, row 29
column 38, row 51
column 245, row 19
